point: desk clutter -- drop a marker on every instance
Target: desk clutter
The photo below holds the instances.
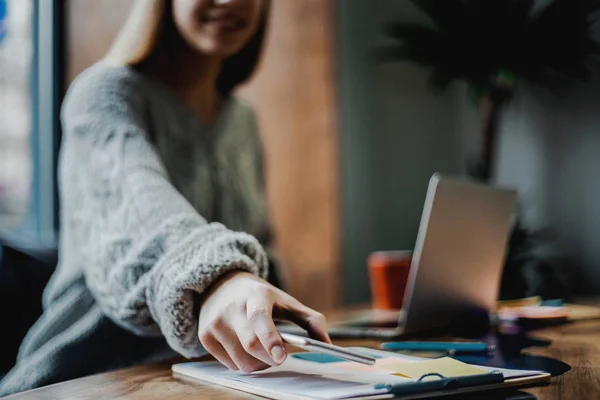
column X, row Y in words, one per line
column 313, row 375
column 537, row 309
column 423, row 369
column 532, row 309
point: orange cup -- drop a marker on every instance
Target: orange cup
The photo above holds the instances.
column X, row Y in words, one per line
column 388, row 273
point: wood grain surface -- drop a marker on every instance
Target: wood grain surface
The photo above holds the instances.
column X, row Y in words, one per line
column 577, row 343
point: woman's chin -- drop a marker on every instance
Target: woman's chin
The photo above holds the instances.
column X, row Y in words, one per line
column 222, row 48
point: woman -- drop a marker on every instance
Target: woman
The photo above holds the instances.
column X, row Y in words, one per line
column 160, row 172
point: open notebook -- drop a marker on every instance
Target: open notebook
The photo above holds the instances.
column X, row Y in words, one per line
column 318, row 376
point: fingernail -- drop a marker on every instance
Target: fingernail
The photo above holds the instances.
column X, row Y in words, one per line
column 278, row 354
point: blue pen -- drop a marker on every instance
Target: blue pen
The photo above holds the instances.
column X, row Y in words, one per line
column 468, row 347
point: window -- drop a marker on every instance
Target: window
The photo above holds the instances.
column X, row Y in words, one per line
column 29, row 106
column 16, row 30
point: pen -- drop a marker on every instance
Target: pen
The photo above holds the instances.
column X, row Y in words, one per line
column 469, row 347
column 332, row 350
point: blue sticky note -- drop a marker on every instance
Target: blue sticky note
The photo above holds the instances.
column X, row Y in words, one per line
column 317, row 357
column 3, row 19
column 322, row 358
column 553, row 303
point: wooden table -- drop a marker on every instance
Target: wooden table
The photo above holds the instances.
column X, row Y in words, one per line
column 576, row 343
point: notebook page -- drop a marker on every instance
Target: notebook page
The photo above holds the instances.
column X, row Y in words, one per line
column 300, row 378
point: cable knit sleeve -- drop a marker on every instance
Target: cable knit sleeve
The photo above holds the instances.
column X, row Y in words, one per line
column 146, row 251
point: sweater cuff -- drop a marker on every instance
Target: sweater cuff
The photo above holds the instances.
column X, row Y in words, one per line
column 199, row 261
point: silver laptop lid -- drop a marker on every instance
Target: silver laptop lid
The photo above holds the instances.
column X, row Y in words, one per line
column 459, row 253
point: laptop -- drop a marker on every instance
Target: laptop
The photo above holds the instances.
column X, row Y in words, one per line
column 457, row 262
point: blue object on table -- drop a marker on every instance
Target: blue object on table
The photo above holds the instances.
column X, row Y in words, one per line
column 467, row 347
column 553, row 303
column 443, row 383
column 3, row 19
column 320, row 357
column 317, row 357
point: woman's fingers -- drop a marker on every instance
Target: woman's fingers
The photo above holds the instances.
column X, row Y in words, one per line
column 236, row 322
column 312, row 321
column 212, row 345
column 259, row 314
column 251, row 341
column 230, row 341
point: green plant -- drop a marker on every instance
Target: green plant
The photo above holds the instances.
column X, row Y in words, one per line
column 492, row 46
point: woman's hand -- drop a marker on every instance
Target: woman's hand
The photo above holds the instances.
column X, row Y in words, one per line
column 236, row 322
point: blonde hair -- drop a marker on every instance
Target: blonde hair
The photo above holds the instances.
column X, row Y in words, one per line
column 140, row 34
column 147, row 26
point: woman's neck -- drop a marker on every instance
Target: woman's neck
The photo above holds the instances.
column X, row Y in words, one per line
column 193, row 77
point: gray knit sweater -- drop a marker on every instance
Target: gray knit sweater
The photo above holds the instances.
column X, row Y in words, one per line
column 142, row 185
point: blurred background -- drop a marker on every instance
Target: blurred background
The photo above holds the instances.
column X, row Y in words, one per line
column 15, row 111
column 353, row 126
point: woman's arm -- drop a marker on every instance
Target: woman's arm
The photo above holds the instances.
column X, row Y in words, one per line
column 146, row 252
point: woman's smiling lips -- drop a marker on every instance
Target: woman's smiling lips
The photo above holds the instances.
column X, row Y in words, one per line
column 223, row 21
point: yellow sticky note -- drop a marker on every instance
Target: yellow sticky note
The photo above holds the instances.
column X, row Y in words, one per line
column 445, row 366
column 526, row 302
